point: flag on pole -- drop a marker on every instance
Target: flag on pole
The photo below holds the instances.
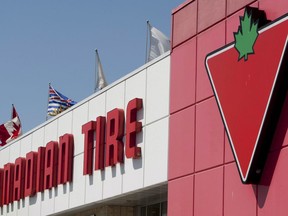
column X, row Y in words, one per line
column 100, row 78
column 57, row 102
column 11, row 129
column 159, row 43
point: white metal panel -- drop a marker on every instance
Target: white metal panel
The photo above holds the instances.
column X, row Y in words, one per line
column 4, row 156
column 112, row 184
column 23, row 207
column 14, row 151
column 133, row 175
column 51, row 132
column 11, row 210
column 62, row 191
column 48, row 197
column 77, row 186
column 25, row 145
column 158, row 78
column 48, row 200
column 115, row 97
column 136, row 88
column 97, row 107
column 80, row 117
column 134, row 168
column 62, row 197
column 94, row 187
column 3, row 211
column 65, row 124
column 38, row 139
column 156, row 152
column 35, row 204
column 94, row 182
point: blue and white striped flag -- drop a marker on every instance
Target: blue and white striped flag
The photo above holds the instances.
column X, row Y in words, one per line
column 57, row 102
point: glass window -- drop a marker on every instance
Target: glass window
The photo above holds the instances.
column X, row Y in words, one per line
column 164, row 209
column 143, row 211
column 153, row 210
column 159, row 209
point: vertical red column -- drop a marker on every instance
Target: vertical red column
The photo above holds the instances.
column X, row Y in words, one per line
column 65, row 164
column 114, row 135
column 182, row 110
column 100, row 141
column 88, row 130
column 30, row 174
column 1, row 186
column 132, row 128
column 8, row 183
column 19, row 178
column 51, row 163
column 40, row 169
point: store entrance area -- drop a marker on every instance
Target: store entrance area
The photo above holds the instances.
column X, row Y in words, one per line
column 148, row 202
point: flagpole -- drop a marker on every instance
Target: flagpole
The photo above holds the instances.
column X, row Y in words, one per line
column 95, row 87
column 147, row 35
column 48, row 100
column 12, row 111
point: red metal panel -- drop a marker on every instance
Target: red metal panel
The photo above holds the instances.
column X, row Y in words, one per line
column 183, row 76
column 181, row 143
column 273, row 9
column 210, row 12
column 180, row 196
column 209, row 146
column 208, row 41
column 208, row 198
column 233, row 5
column 184, row 23
column 239, row 199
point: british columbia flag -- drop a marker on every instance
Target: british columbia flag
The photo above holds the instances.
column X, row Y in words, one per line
column 57, row 102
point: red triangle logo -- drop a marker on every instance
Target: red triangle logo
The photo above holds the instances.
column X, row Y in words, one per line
column 250, row 94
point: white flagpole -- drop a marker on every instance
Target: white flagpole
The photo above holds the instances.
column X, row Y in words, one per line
column 147, row 40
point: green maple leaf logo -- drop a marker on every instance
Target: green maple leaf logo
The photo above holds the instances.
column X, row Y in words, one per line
column 246, row 36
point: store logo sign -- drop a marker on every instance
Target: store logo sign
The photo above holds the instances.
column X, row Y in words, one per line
column 249, row 78
column 52, row 165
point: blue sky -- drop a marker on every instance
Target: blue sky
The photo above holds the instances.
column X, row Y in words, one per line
column 54, row 41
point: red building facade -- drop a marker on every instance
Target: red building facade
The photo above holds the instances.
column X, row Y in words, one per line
column 202, row 173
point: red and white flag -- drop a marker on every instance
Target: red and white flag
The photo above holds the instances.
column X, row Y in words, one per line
column 11, row 129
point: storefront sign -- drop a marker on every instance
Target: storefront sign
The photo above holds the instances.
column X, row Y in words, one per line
column 249, row 78
column 53, row 164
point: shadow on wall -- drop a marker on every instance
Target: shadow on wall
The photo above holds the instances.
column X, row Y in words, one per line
column 273, row 156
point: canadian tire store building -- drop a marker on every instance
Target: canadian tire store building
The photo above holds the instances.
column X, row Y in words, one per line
column 159, row 141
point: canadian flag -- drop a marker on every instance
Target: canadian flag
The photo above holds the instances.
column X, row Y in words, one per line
column 11, row 129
